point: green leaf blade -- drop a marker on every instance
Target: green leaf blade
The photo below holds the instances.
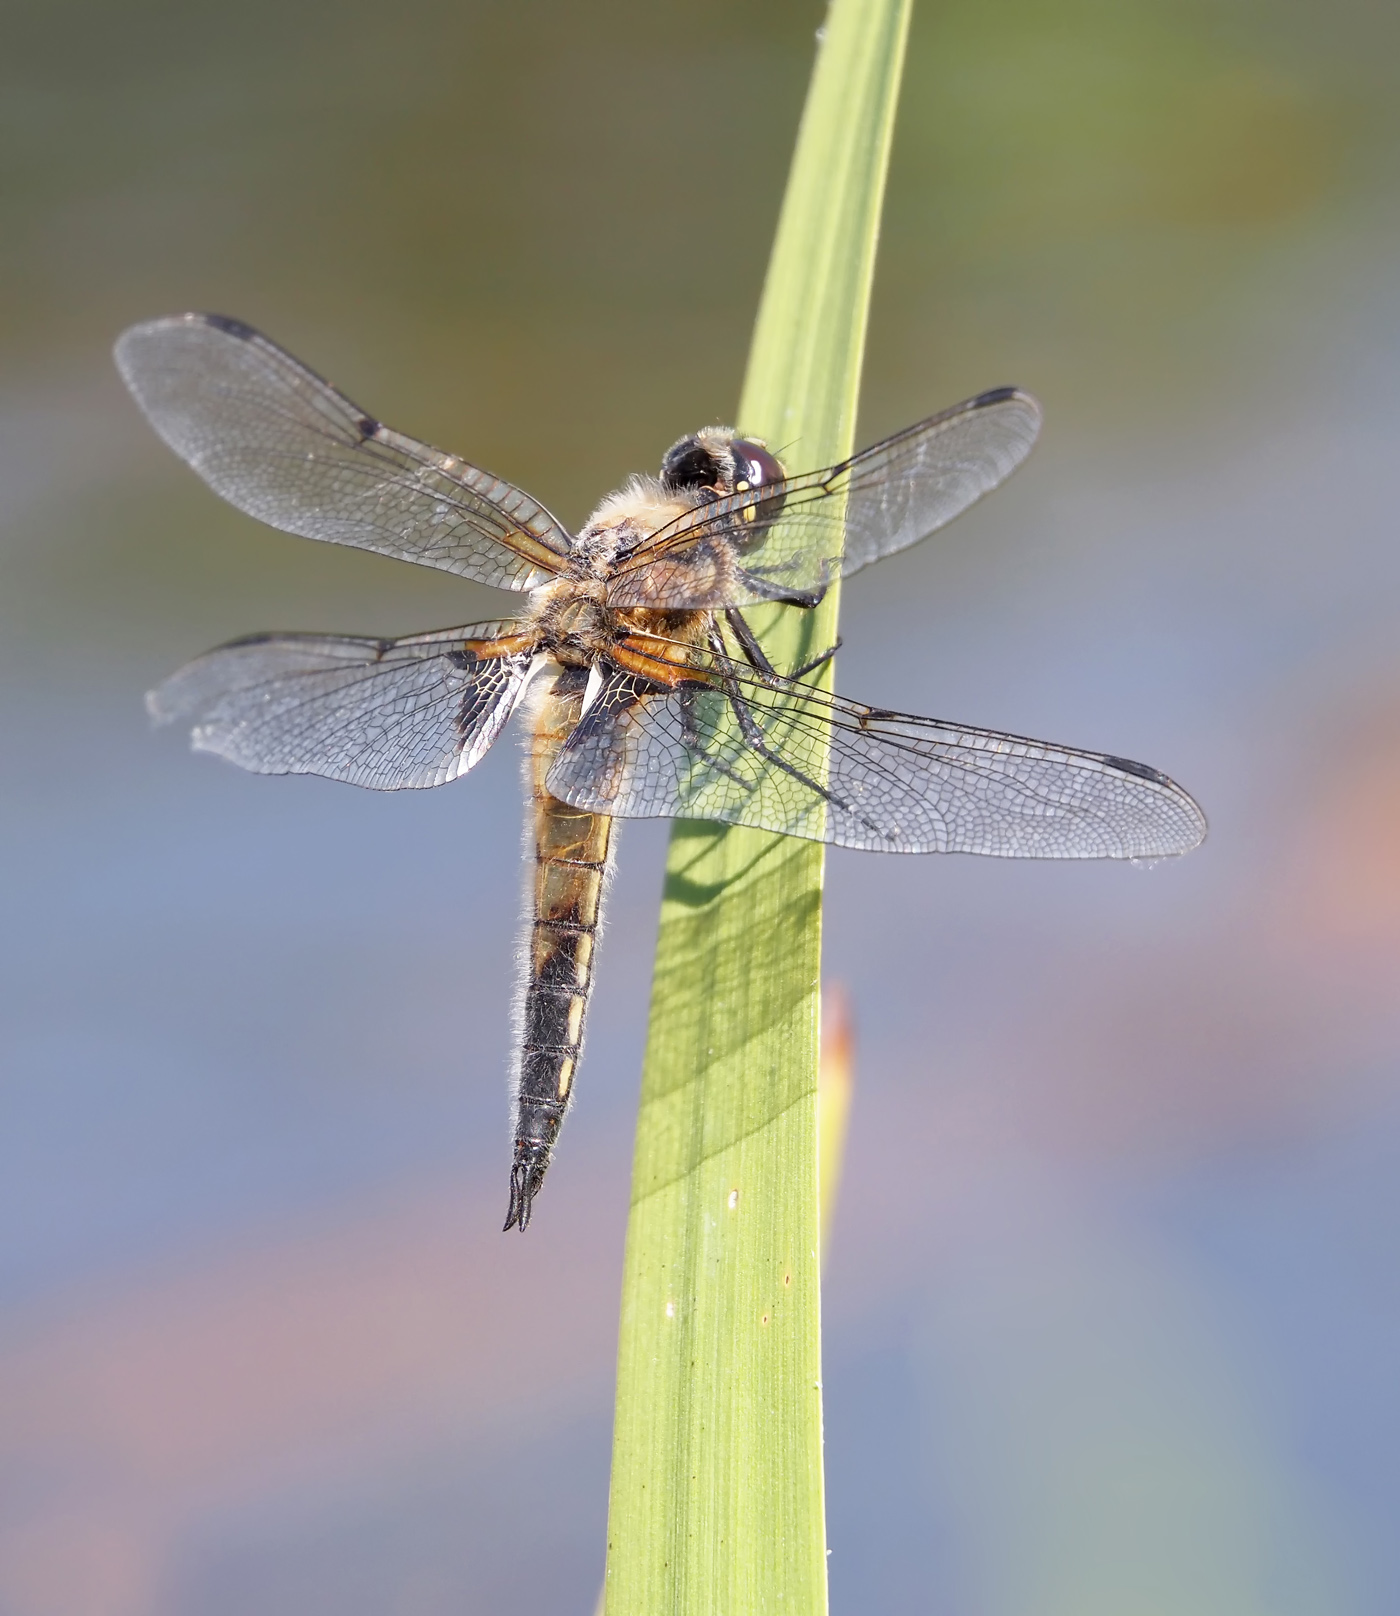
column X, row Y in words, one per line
column 717, row 1492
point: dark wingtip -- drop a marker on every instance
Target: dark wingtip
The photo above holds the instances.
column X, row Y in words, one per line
column 1144, row 771
column 144, row 329
column 1193, row 827
column 996, row 395
column 226, row 322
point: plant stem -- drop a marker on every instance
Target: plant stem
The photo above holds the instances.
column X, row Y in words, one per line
column 716, row 1506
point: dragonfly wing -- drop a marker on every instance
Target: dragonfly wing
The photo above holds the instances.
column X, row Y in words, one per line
column 916, row 482
column 280, row 443
column 832, row 523
column 793, row 760
column 381, row 713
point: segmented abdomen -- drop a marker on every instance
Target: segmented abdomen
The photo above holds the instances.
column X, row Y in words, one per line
column 565, row 905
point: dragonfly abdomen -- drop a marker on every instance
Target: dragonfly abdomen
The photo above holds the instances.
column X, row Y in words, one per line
column 570, row 868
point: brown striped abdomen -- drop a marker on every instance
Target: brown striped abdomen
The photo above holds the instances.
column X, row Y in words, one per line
column 565, row 905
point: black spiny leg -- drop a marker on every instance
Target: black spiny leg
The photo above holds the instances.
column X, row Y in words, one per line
column 694, row 742
column 755, row 739
column 818, row 661
column 764, row 589
column 753, row 651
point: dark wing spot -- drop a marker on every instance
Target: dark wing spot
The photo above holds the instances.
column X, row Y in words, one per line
column 461, row 659
column 226, row 322
column 366, row 426
column 1141, row 770
column 994, row 395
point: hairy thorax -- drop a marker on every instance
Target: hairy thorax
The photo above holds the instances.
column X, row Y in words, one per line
column 573, row 619
column 576, row 626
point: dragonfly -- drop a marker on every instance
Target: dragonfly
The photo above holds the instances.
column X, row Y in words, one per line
column 645, row 690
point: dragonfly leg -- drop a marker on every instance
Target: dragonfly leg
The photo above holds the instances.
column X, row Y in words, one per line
column 691, row 738
column 766, row 589
column 754, row 654
column 818, row 661
column 758, row 742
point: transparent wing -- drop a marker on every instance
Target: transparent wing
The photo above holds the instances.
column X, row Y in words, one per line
column 284, row 446
column 753, row 755
column 732, row 553
column 380, row 713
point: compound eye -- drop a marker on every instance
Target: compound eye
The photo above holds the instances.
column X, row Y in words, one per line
column 688, row 464
column 754, row 467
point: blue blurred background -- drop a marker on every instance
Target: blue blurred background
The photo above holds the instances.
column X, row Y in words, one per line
column 1115, row 1328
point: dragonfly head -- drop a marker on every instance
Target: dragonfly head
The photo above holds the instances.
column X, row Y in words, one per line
column 715, row 462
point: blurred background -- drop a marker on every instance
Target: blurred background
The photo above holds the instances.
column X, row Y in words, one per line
column 1117, row 1329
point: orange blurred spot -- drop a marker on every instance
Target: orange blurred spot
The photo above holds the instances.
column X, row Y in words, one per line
column 835, row 1084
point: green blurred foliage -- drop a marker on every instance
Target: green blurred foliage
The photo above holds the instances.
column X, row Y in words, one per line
column 535, row 233
column 1089, row 191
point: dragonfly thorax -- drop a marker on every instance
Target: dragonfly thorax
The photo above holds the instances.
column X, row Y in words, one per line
column 628, row 518
column 572, row 619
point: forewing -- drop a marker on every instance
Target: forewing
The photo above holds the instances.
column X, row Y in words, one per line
column 284, row 446
column 833, row 522
column 380, row 713
column 891, row 782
